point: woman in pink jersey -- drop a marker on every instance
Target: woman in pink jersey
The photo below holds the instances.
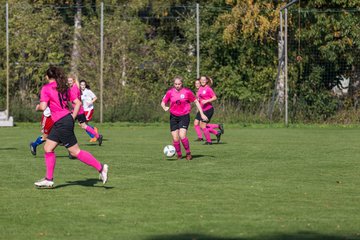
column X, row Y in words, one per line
column 206, row 96
column 75, row 90
column 180, row 100
column 196, row 122
column 56, row 95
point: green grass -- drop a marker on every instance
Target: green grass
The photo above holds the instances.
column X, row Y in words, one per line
column 260, row 183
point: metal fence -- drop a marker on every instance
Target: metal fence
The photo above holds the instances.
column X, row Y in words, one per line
column 318, row 72
column 129, row 57
column 109, row 46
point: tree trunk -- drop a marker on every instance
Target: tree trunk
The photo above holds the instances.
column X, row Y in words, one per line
column 281, row 83
column 75, row 56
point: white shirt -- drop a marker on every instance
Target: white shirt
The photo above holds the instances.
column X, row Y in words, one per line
column 86, row 97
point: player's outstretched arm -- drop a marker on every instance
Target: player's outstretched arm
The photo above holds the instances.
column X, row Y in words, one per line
column 200, row 110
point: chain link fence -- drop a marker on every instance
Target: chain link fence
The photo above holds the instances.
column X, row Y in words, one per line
column 324, row 66
column 145, row 47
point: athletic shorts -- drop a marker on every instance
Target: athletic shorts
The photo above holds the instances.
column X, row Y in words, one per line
column 177, row 122
column 63, row 131
column 208, row 113
column 81, row 118
column 46, row 124
column 89, row 114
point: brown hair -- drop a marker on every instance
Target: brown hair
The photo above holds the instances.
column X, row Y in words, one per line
column 60, row 78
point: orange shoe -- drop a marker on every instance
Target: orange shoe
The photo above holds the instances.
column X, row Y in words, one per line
column 94, row 139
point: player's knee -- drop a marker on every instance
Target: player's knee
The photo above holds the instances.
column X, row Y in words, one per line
column 74, row 152
column 48, row 149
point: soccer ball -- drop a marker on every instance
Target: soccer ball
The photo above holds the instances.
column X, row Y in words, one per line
column 169, row 151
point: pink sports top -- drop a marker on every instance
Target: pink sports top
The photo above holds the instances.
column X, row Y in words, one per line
column 76, row 93
column 179, row 101
column 56, row 101
column 205, row 93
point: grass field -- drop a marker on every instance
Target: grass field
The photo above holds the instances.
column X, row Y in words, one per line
column 259, row 183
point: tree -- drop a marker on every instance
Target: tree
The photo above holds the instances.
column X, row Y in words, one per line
column 36, row 40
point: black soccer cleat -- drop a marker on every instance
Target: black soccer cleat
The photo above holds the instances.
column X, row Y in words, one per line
column 208, row 143
column 100, row 139
column 218, row 137
column 199, row 140
column 221, row 127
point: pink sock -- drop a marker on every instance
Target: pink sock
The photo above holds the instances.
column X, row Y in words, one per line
column 92, row 131
column 177, row 148
column 186, row 145
column 198, row 131
column 206, row 134
column 50, row 160
column 213, row 131
column 212, row 125
column 89, row 159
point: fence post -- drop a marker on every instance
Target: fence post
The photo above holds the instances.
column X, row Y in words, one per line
column 197, row 41
column 7, row 62
column 285, row 8
column 101, row 60
column 286, row 67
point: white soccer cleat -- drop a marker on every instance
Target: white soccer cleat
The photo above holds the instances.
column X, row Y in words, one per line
column 104, row 174
column 44, row 183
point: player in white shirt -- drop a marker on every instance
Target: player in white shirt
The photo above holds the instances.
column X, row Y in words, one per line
column 88, row 98
column 46, row 125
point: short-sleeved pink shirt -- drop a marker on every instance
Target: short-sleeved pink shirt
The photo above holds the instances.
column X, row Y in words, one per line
column 180, row 101
column 76, row 93
column 205, row 93
column 56, row 101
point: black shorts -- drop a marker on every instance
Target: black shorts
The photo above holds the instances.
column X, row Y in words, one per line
column 81, row 118
column 177, row 122
column 63, row 131
column 208, row 113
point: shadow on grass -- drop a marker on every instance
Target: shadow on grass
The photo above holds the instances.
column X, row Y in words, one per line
column 215, row 142
column 85, row 183
column 200, row 155
column 94, row 143
column 276, row 236
column 173, row 159
column 9, row 148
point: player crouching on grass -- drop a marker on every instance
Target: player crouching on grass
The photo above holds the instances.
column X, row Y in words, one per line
column 180, row 100
column 56, row 95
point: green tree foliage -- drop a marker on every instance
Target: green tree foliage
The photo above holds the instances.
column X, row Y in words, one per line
column 37, row 38
column 147, row 43
column 329, row 44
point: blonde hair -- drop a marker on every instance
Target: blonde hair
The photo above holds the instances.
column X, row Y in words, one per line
column 209, row 82
column 76, row 81
column 178, row 78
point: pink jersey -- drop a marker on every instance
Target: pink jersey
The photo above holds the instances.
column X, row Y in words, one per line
column 205, row 93
column 76, row 93
column 56, row 101
column 179, row 101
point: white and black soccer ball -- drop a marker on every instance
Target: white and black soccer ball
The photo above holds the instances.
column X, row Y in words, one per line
column 169, row 151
